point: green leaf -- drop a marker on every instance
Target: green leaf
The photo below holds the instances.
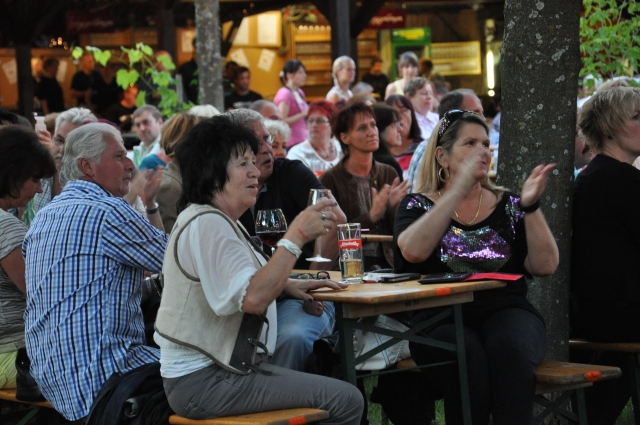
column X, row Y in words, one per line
column 125, row 78
column 102, row 57
column 135, row 56
column 77, row 52
column 141, row 98
column 145, row 49
column 166, row 62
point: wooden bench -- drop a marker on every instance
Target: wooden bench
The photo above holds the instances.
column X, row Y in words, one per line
column 558, row 377
column 25, row 416
column 632, row 351
column 277, row 417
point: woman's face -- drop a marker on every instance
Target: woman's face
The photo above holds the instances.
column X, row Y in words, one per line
column 628, row 137
column 298, row 78
column 391, row 135
column 405, row 119
column 319, row 128
column 423, row 99
column 363, row 136
column 240, row 191
column 348, row 72
column 278, row 146
column 28, row 190
column 472, row 147
column 408, row 71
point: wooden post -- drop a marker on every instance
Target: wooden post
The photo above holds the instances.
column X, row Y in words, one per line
column 339, row 11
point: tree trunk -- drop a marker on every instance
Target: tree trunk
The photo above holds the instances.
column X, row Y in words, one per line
column 540, row 64
column 208, row 36
column 26, row 86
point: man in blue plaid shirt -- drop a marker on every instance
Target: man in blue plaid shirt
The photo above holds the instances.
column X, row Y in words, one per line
column 85, row 258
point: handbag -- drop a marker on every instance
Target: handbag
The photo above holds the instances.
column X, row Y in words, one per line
column 27, row 387
column 366, row 341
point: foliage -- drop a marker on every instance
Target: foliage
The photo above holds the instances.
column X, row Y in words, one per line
column 142, row 68
column 610, row 44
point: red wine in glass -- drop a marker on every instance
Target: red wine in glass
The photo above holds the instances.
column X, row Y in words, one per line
column 271, row 238
column 270, row 227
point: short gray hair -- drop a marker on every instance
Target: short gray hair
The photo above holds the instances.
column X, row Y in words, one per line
column 275, row 127
column 75, row 116
column 414, row 84
column 85, row 142
column 155, row 112
column 245, row 117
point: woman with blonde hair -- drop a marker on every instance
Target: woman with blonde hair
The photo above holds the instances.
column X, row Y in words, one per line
column 343, row 72
column 171, row 135
column 605, row 286
column 458, row 221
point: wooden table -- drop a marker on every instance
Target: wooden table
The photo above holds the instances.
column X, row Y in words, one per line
column 370, row 299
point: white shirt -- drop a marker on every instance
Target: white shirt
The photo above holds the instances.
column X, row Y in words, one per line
column 427, row 123
column 309, row 157
column 210, row 250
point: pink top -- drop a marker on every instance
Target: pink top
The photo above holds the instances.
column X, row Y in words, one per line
column 298, row 128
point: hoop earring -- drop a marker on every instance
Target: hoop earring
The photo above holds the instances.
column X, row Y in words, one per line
column 440, row 175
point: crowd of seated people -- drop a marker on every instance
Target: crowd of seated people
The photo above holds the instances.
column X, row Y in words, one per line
column 86, row 221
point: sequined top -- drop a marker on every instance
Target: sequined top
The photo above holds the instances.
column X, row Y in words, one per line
column 495, row 244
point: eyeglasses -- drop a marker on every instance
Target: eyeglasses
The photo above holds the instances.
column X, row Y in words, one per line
column 317, row 121
column 449, row 118
column 322, row 274
column 268, row 139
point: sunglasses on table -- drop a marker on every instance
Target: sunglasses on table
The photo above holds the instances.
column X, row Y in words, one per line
column 322, row 274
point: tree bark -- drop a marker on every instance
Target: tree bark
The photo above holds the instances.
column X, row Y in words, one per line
column 540, row 64
column 208, row 36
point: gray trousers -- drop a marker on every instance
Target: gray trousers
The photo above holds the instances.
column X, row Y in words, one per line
column 214, row 392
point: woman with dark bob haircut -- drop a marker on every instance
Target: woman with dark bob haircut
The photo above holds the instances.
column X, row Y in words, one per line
column 217, row 322
column 409, row 130
column 24, row 161
column 458, row 221
column 605, row 282
column 367, row 190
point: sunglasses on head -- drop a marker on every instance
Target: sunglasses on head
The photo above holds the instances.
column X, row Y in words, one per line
column 449, row 118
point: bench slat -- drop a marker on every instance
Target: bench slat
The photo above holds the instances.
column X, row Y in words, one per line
column 622, row 347
column 561, row 373
column 278, row 417
column 10, row 395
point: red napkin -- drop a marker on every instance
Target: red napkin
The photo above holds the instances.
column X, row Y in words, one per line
column 493, row 276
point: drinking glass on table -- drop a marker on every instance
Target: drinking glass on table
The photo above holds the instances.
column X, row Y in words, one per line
column 316, row 195
column 271, row 227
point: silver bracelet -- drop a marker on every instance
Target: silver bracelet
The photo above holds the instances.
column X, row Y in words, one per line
column 290, row 246
column 152, row 210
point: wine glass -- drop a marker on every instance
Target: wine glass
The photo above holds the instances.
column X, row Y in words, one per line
column 316, row 195
column 271, row 227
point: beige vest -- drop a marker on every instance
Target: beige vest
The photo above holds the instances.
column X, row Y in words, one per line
column 185, row 317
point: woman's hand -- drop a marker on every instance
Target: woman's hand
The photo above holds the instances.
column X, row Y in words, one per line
column 152, row 181
column 398, row 192
column 135, row 188
column 316, row 220
column 299, row 288
column 379, row 202
column 466, row 177
column 535, row 184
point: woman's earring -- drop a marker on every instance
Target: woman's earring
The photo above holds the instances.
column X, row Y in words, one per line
column 442, row 178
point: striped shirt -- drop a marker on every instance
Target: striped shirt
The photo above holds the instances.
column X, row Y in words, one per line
column 85, row 257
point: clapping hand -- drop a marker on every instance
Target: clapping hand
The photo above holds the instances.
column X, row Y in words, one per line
column 535, row 184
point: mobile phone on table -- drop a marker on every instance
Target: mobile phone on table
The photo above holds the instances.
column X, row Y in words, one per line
column 397, row 277
column 444, row 277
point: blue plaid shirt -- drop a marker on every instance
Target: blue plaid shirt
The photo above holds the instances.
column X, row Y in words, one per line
column 85, row 256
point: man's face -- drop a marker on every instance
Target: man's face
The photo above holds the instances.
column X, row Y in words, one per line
column 147, row 127
column 60, row 137
column 115, row 168
column 271, row 112
column 242, row 81
column 264, row 159
column 472, row 103
column 87, row 63
column 376, row 68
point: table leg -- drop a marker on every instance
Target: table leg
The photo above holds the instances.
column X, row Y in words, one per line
column 462, row 364
column 347, row 355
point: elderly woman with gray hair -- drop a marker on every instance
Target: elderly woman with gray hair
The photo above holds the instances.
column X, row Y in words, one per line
column 605, row 286
column 280, row 132
column 344, row 72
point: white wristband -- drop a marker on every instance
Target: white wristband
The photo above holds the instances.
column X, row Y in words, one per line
column 290, row 246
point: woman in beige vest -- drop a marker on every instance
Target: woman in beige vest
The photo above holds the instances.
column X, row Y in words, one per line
column 217, row 321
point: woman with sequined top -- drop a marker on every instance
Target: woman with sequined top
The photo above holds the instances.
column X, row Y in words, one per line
column 458, row 221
